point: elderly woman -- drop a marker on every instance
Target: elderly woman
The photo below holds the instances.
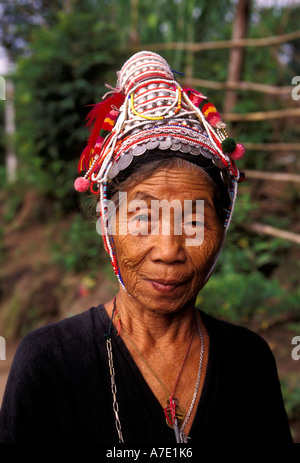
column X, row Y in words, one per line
column 148, row 367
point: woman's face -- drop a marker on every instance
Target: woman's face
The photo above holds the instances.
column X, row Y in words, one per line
column 164, row 254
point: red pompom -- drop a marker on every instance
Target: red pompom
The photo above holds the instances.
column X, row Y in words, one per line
column 238, row 153
column 82, row 184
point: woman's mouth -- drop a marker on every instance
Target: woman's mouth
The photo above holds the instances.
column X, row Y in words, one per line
column 165, row 286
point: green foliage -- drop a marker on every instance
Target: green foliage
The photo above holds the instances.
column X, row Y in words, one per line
column 11, row 196
column 2, row 136
column 2, row 177
column 291, row 394
column 79, row 248
column 66, row 71
column 294, row 327
column 240, row 288
column 2, row 250
column 236, row 295
column 243, row 284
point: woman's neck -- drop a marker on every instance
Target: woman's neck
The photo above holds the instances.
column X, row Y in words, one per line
column 151, row 329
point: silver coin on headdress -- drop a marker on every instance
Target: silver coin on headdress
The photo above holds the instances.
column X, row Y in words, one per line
column 139, row 149
column 152, row 144
column 125, row 160
column 165, row 144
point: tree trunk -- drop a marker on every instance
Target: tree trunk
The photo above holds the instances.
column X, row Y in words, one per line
column 134, row 38
column 10, row 158
column 68, row 6
column 236, row 56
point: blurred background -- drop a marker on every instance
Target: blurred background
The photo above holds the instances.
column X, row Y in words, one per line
column 55, row 58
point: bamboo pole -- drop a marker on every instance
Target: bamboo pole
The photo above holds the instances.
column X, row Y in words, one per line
column 273, row 176
column 134, row 19
column 262, row 115
column 263, row 88
column 272, row 146
column 262, row 229
column 261, row 42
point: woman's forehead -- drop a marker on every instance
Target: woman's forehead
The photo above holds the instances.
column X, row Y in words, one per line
column 180, row 181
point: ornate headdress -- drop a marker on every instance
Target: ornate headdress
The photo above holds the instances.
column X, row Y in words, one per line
column 149, row 110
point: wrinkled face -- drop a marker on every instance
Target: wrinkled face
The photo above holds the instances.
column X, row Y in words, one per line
column 166, row 252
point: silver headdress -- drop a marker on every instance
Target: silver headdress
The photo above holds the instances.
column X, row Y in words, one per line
column 149, row 110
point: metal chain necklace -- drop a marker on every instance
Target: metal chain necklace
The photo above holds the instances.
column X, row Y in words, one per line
column 183, row 437
column 114, row 388
column 173, row 412
column 175, row 415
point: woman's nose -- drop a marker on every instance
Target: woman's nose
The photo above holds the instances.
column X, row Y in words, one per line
column 168, row 248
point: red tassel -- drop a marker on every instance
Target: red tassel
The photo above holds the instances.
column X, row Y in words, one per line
column 99, row 112
column 95, row 119
column 194, row 96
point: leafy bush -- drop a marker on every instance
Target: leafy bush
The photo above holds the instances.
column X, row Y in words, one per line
column 243, row 283
column 79, row 248
column 65, row 71
column 237, row 296
column 291, row 394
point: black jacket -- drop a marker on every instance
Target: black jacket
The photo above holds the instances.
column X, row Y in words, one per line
column 59, row 389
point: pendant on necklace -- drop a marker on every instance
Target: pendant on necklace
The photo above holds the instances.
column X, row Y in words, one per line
column 174, row 413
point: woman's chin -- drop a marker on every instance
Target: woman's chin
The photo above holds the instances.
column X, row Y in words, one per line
column 162, row 297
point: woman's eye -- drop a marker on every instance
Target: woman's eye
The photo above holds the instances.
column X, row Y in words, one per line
column 139, row 224
column 193, row 226
column 142, row 218
column 194, row 223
